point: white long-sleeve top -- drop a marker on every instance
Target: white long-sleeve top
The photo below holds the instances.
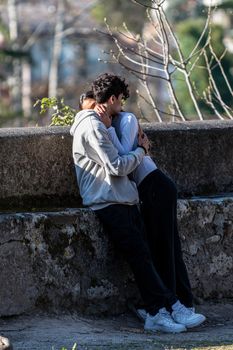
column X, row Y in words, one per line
column 124, row 135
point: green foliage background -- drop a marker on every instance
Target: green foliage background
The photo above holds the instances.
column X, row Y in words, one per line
column 188, row 33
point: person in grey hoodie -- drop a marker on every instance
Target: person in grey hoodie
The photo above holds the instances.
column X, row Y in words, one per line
column 105, row 187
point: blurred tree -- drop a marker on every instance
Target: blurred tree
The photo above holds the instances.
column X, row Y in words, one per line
column 12, row 58
column 118, row 12
column 225, row 4
column 179, row 10
column 4, row 32
column 19, row 36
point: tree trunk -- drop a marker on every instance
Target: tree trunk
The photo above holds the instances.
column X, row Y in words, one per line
column 15, row 79
column 57, row 47
column 26, row 89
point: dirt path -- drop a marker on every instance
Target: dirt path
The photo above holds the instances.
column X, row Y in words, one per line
column 47, row 332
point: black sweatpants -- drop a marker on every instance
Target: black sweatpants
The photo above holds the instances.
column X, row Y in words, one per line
column 158, row 197
column 125, row 228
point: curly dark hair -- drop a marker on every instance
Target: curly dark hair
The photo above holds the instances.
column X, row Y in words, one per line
column 106, row 85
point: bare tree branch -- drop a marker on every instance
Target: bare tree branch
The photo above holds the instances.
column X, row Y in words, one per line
column 159, row 110
column 153, row 24
column 210, row 103
column 201, row 52
column 152, row 101
column 147, row 54
column 136, row 53
column 221, row 68
column 139, row 72
column 183, row 65
column 174, row 99
column 220, row 58
column 207, row 25
column 215, row 89
column 141, row 112
column 143, row 5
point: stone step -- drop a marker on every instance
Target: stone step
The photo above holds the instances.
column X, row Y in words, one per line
column 63, row 260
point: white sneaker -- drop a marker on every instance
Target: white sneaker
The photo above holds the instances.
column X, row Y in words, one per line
column 141, row 313
column 162, row 321
column 187, row 316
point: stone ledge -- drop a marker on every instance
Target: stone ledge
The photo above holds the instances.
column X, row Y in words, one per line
column 63, row 260
column 37, row 169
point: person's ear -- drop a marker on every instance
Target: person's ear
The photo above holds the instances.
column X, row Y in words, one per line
column 112, row 99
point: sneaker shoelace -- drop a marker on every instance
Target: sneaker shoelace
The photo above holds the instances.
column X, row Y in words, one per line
column 192, row 309
column 166, row 315
column 186, row 310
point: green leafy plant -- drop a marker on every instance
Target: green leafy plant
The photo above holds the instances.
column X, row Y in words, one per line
column 62, row 115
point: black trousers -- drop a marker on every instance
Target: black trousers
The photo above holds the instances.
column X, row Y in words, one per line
column 158, row 197
column 125, row 228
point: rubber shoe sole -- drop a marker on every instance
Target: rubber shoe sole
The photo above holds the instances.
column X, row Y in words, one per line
column 158, row 328
column 197, row 323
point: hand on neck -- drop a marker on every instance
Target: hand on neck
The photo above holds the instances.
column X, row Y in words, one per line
column 108, row 108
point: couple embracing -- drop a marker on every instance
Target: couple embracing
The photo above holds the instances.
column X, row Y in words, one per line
column 114, row 173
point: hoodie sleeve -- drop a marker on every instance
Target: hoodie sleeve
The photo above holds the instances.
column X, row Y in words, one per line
column 113, row 163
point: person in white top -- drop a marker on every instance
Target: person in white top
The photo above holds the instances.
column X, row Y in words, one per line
column 158, row 198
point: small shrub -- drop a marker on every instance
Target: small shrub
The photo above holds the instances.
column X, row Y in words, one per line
column 63, row 115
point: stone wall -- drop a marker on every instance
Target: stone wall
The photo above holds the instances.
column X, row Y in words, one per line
column 37, row 168
column 63, row 260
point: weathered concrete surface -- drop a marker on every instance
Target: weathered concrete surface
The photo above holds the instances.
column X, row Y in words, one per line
column 37, row 171
column 198, row 156
column 47, row 332
column 36, row 168
column 64, row 260
column 206, row 231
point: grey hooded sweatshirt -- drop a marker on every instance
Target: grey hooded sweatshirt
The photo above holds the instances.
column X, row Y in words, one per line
column 101, row 172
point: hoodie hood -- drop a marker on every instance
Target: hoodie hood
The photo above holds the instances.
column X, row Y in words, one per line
column 80, row 116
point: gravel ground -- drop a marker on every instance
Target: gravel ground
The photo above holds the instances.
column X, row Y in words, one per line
column 125, row 332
